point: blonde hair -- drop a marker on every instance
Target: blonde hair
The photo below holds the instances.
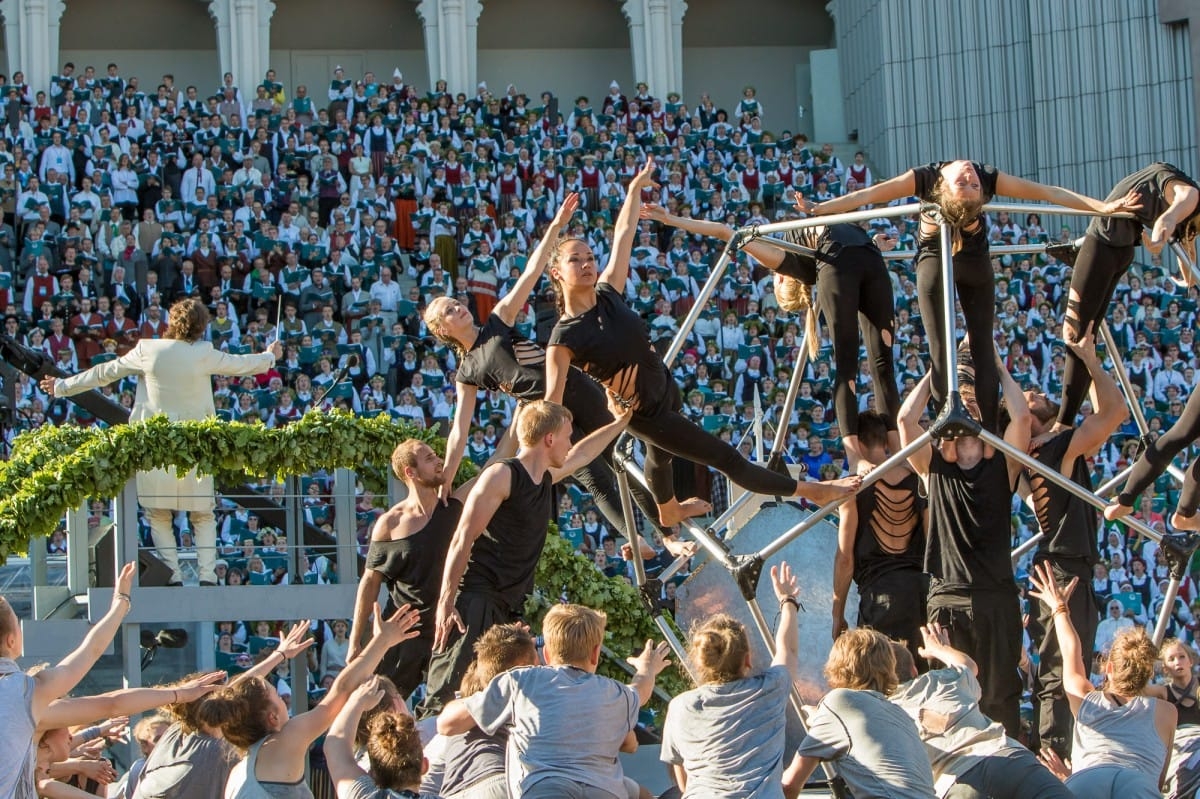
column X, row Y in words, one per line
column 502, row 647
column 1170, row 642
column 432, row 313
column 957, row 212
column 572, row 633
column 862, row 660
column 404, row 456
column 795, row 295
column 1131, row 662
column 718, row 649
column 539, row 419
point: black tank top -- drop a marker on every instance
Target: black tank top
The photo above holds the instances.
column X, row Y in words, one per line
column 611, row 336
column 412, row 566
column 504, row 557
column 970, row 526
column 890, row 535
column 1150, row 184
column 974, row 240
column 501, row 359
column 1068, row 523
column 1188, row 713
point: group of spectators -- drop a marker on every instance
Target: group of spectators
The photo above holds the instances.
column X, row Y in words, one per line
column 330, row 220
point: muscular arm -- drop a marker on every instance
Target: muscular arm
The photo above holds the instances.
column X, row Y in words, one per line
column 589, row 448
column 1020, row 420
column 492, row 489
column 364, row 602
column 558, row 364
column 456, row 441
column 1012, row 186
column 897, row 188
column 1183, row 199
column 909, row 425
column 843, row 563
column 1110, row 412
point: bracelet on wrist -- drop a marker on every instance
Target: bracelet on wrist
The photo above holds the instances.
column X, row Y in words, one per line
column 789, row 600
column 120, row 597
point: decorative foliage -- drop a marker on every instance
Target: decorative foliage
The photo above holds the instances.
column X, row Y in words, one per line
column 54, row 469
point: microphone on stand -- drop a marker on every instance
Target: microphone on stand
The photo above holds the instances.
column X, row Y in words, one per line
column 338, row 377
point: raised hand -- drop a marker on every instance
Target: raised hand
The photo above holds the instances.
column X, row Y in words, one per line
column 784, row 582
column 644, row 178
column 201, row 686
column 296, row 641
column 1046, row 589
column 654, row 212
column 570, row 205
column 366, row 695
column 652, row 659
column 401, row 626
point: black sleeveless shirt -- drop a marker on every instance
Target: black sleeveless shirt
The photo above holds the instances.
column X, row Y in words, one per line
column 412, row 566
column 1150, row 184
column 973, row 240
column 970, row 526
column 1188, row 714
column 887, row 513
column 611, row 336
column 503, row 559
column 1069, row 524
column 501, row 359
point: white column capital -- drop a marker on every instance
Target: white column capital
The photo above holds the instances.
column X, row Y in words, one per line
column 451, row 41
column 656, row 42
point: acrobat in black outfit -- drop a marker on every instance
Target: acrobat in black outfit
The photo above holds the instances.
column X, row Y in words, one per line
column 600, row 333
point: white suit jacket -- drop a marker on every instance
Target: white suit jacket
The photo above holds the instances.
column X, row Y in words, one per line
column 174, row 379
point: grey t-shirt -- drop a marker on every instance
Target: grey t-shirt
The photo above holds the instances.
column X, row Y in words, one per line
column 944, row 704
column 187, row 766
column 563, row 722
column 365, row 788
column 729, row 737
column 875, row 744
column 16, row 722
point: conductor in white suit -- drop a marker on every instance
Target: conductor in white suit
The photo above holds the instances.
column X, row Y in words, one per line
column 175, row 379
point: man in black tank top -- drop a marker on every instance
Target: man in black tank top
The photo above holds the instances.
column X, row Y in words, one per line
column 499, row 539
column 1070, row 527
column 972, row 590
column 881, row 544
column 407, row 554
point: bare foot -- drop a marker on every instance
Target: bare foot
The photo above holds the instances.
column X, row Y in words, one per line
column 1185, row 522
column 822, row 493
column 673, row 512
column 1116, row 511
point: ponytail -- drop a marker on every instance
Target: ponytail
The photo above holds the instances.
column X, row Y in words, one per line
column 796, row 295
column 240, row 711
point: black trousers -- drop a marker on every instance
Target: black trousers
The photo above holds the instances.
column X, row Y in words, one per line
column 895, row 606
column 975, row 284
column 856, row 292
column 405, row 664
column 1098, row 268
column 987, row 626
column 668, row 432
column 480, row 612
column 1158, row 456
column 1055, row 721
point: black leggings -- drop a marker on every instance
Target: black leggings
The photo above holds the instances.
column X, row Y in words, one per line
column 856, row 292
column 977, row 295
column 585, row 399
column 1098, row 268
column 1158, row 456
column 668, row 432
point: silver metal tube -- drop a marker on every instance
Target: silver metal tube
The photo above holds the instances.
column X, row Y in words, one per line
column 783, row 244
column 639, row 568
column 703, row 537
column 1164, row 613
column 734, row 507
column 833, row 219
column 676, row 645
column 1030, row 208
column 1003, row 249
column 1139, row 417
column 1033, row 541
column 1111, row 486
column 793, row 391
column 1184, row 261
column 1065, row 483
column 950, row 364
column 873, row 476
column 706, row 291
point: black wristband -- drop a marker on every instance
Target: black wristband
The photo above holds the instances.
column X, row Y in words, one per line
column 790, row 600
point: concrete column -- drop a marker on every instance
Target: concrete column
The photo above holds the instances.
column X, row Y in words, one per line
column 451, row 42
column 656, row 43
column 31, row 39
column 1187, row 12
column 243, row 39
